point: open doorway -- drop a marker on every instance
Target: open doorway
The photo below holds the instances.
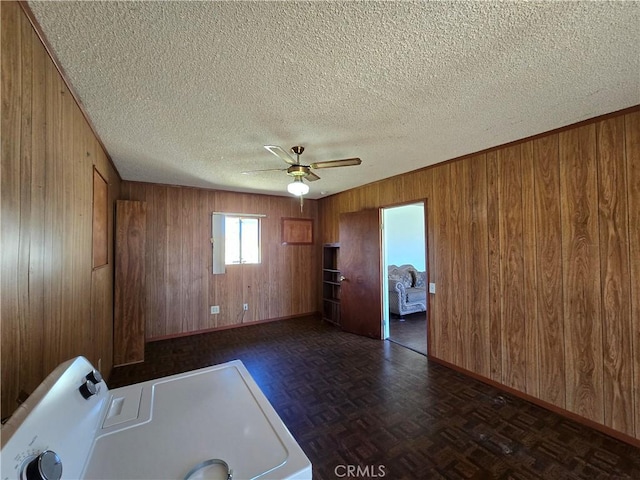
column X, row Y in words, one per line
column 405, row 278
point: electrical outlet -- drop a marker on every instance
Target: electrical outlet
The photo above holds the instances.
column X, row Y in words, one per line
column 215, row 309
column 245, row 307
column 432, row 288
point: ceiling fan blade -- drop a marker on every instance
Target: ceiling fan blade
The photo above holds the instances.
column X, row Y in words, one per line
column 337, row 163
column 252, row 172
column 280, row 153
column 312, row 177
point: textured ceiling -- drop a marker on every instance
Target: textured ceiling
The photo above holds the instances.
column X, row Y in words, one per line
column 188, row 93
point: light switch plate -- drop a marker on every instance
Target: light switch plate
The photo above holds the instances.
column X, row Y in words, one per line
column 432, row 288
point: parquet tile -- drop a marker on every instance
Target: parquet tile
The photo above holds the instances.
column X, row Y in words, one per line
column 410, row 331
column 351, row 400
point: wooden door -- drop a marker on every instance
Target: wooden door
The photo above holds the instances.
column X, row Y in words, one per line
column 129, row 308
column 359, row 264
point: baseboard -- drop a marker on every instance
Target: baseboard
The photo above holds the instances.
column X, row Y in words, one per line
column 541, row 403
column 228, row 327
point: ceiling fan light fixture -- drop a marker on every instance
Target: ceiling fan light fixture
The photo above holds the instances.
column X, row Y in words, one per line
column 298, row 187
column 299, row 171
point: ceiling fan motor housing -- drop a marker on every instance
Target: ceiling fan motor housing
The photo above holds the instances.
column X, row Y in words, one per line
column 298, row 171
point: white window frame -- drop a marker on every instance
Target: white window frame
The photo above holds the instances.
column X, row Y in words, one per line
column 218, row 239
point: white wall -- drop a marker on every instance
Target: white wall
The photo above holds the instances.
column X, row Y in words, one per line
column 404, row 235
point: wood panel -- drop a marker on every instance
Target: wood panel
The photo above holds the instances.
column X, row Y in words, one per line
column 10, row 183
column 511, row 268
column 174, row 281
column 180, row 287
column 478, row 334
column 130, row 308
column 156, row 267
column 421, row 186
column 277, row 303
column 190, row 296
column 548, row 238
column 530, row 313
column 32, row 336
column 581, row 272
column 201, row 265
column 53, row 304
column 100, row 220
column 495, row 305
column 458, row 223
column 632, row 150
column 77, row 335
column 26, row 334
column 393, row 193
column 440, row 302
column 529, row 260
column 614, row 271
column 54, row 215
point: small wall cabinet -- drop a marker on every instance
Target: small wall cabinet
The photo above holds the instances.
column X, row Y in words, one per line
column 330, row 283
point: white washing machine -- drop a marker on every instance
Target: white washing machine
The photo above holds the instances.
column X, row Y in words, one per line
column 212, row 423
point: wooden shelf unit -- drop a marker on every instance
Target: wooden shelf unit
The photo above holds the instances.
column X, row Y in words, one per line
column 330, row 283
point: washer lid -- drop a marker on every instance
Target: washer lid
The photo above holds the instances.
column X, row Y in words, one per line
column 217, row 412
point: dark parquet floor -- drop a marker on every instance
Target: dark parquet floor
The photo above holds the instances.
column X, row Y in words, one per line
column 389, row 412
column 410, row 331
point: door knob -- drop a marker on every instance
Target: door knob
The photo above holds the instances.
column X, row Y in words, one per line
column 342, row 278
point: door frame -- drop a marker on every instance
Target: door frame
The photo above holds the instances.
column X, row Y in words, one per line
column 384, row 273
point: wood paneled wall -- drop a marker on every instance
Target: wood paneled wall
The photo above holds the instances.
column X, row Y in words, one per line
column 180, row 288
column 54, row 306
column 535, row 250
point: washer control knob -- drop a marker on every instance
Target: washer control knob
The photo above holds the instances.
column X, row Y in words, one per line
column 46, row 466
column 88, row 389
column 94, row 376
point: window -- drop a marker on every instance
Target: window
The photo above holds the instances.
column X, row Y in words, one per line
column 236, row 240
column 241, row 240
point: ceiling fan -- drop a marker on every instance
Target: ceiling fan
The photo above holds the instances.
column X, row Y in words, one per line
column 299, row 171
